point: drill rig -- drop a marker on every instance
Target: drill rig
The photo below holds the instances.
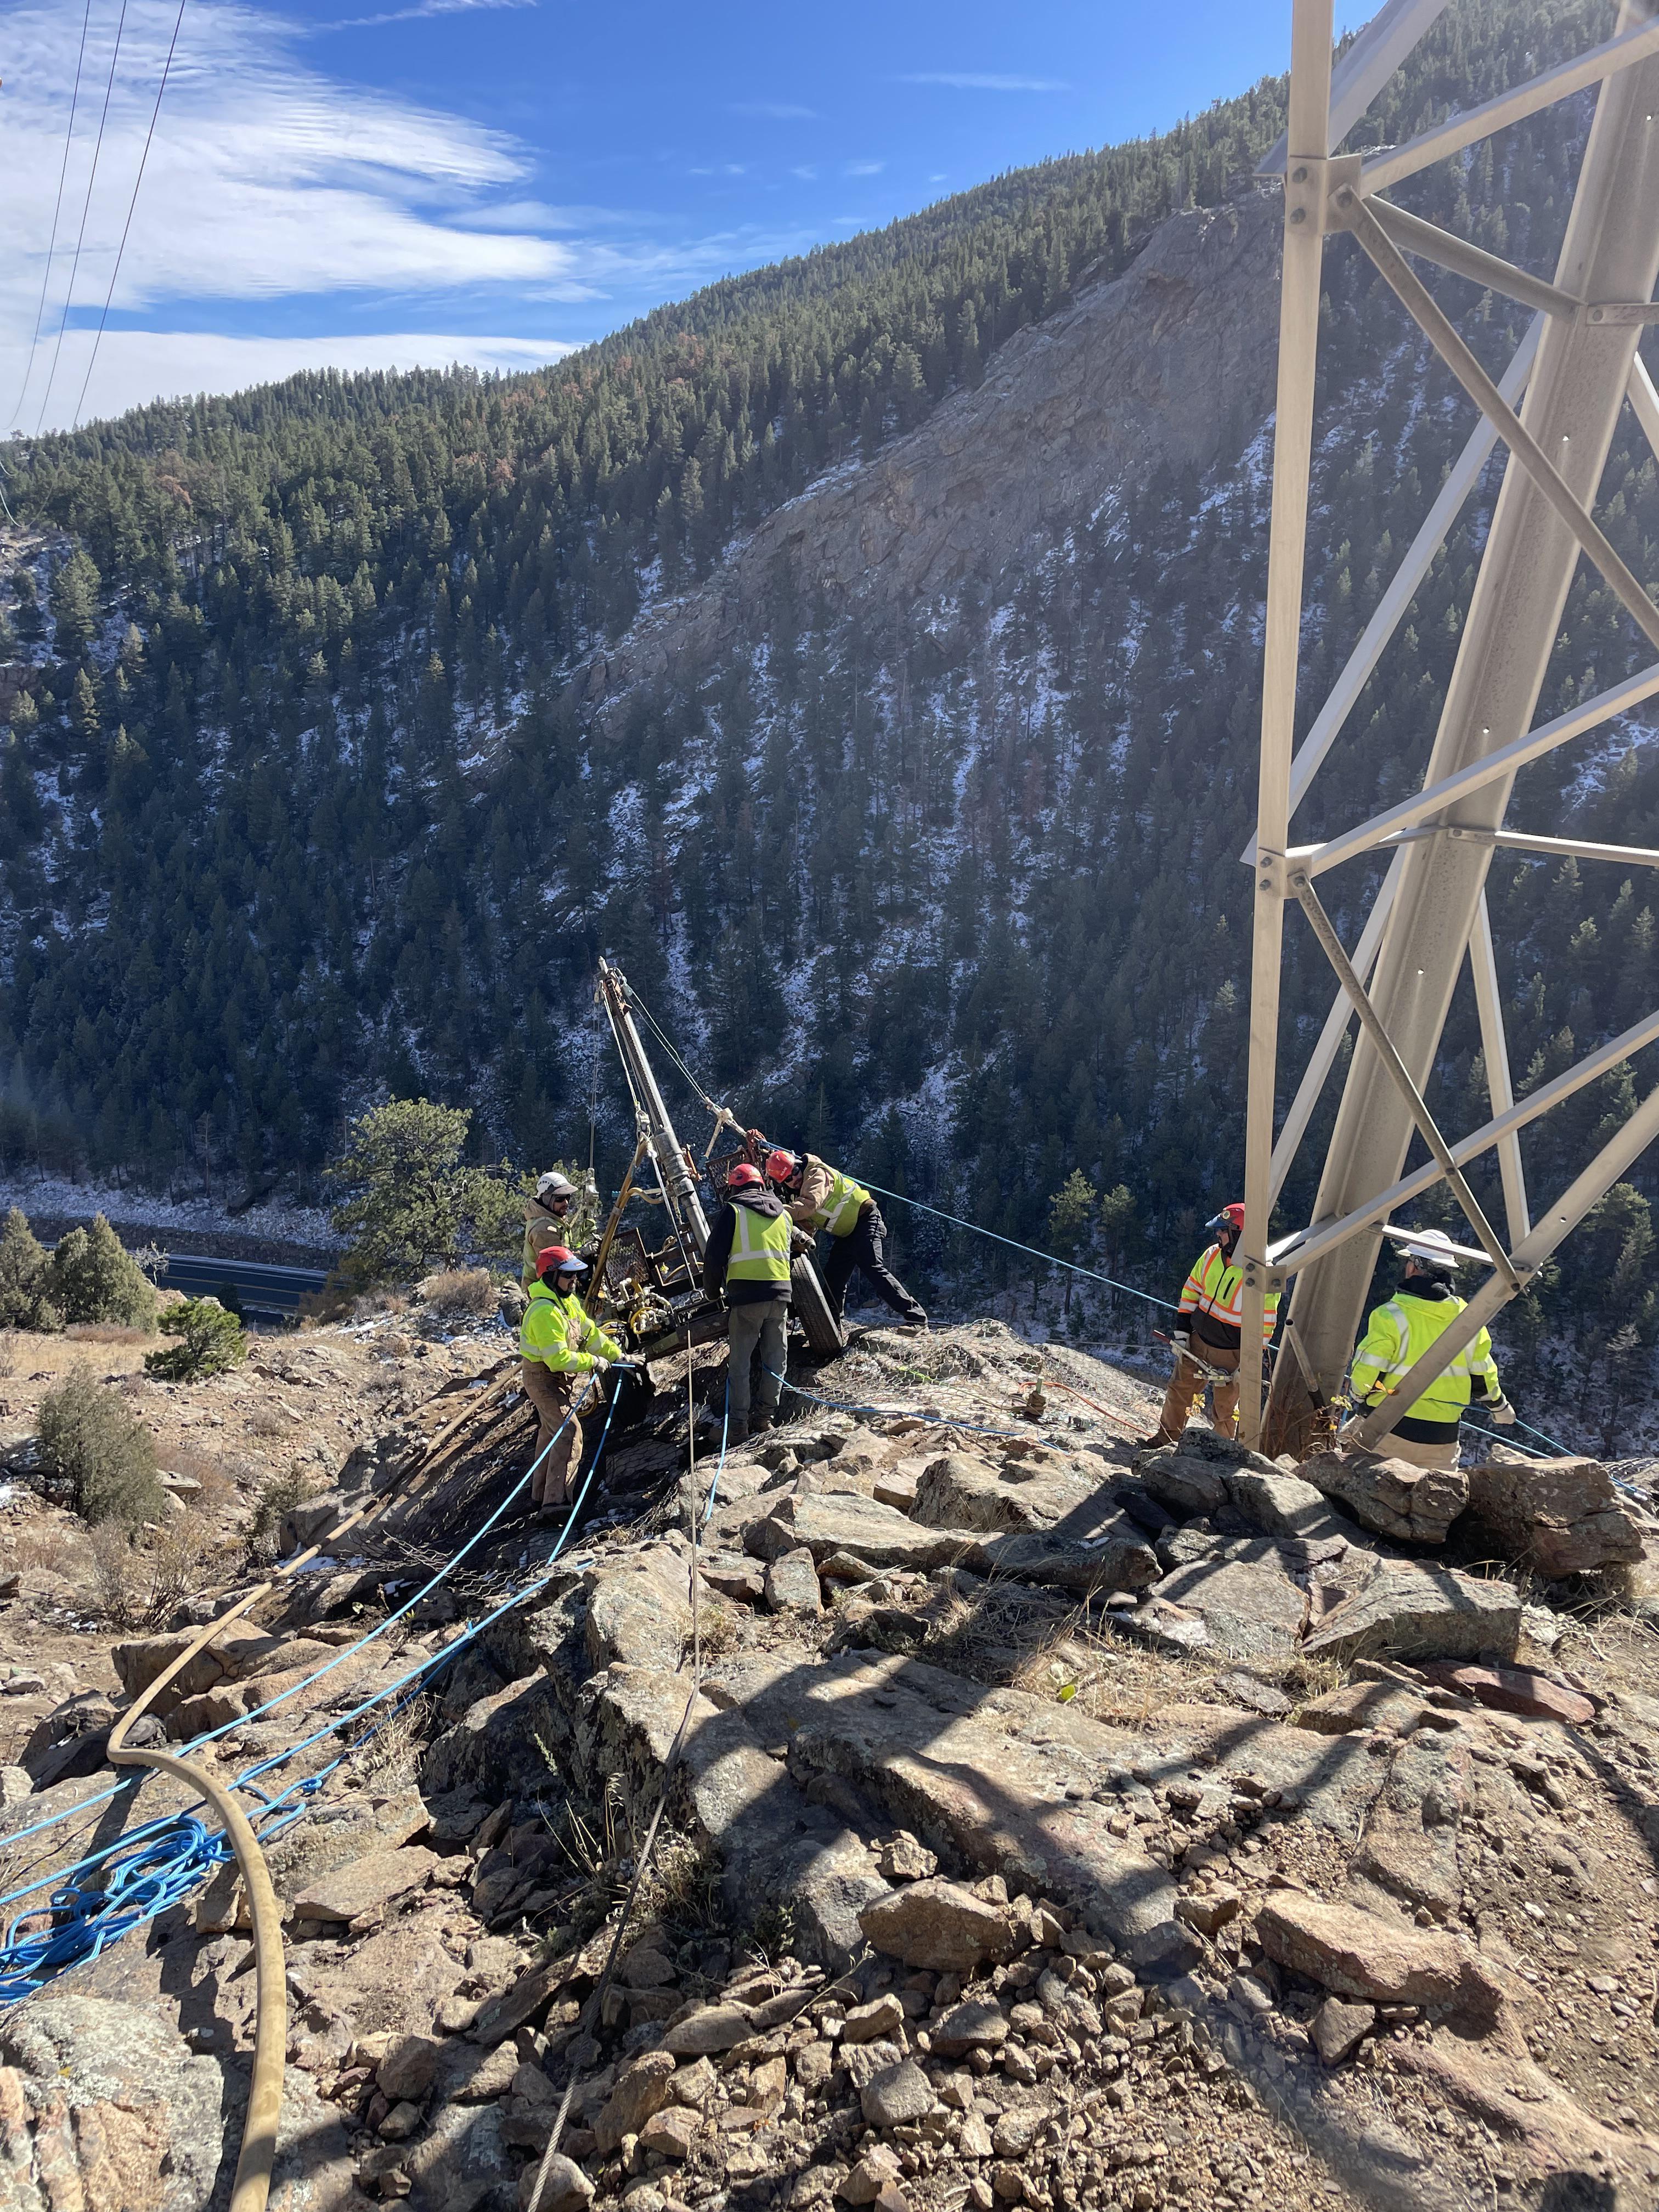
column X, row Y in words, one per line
column 654, row 1294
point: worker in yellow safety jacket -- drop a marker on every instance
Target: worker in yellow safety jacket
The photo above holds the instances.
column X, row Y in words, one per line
column 1208, row 1327
column 557, row 1213
column 746, row 1261
column 559, row 1348
column 819, row 1196
column 1398, row 1333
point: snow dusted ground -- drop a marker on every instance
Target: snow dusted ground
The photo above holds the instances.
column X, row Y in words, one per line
column 56, row 1197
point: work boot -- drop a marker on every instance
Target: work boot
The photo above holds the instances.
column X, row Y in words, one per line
column 736, row 1429
column 760, row 1420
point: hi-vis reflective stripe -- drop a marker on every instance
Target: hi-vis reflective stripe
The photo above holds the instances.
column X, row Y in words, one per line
column 1218, row 1289
column 846, row 1201
column 1401, row 1320
column 760, row 1247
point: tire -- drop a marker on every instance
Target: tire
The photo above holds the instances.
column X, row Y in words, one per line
column 824, row 1333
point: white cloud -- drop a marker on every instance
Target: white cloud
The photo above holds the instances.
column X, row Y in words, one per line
column 135, row 366
column 974, row 80
column 865, row 168
column 419, row 12
column 270, row 179
column 772, row 111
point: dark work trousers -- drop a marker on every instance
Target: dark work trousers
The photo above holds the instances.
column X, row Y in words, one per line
column 861, row 1249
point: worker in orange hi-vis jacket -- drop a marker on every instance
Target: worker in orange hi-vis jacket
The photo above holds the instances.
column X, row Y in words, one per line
column 1207, row 1330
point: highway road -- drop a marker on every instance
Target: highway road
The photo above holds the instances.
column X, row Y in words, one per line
column 260, row 1288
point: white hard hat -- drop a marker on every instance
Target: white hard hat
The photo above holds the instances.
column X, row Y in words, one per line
column 555, row 1185
column 1432, row 1246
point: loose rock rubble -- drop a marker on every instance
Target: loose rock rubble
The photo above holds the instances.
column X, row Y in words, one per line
column 1054, row 1823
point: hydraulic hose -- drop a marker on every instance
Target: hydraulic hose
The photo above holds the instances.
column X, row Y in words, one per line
column 251, row 2187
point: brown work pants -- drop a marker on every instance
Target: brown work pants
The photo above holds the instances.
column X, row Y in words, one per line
column 1417, row 1454
column 552, row 1395
column 1187, row 1382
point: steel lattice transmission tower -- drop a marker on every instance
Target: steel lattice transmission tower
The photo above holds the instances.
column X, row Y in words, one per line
column 1574, row 371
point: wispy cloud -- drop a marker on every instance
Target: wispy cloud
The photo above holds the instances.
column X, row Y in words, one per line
column 278, row 197
column 979, row 81
column 419, row 12
column 864, row 168
column 772, row 111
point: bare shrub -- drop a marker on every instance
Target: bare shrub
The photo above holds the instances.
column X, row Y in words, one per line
column 105, row 1332
column 277, row 1496
column 184, row 1558
column 463, row 1293
column 272, row 1420
column 115, row 1573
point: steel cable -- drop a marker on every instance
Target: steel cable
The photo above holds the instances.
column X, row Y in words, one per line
column 120, row 250
column 58, row 209
column 86, row 209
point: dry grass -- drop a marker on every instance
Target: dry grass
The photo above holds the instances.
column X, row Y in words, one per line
column 105, row 1332
column 270, row 1420
column 49, row 1358
column 463, row 1291
column 9, row 1342
column 47, row 1547
column 218, row 1478
column 1123, row 1684
column 682, row 1883
column 388, row 1760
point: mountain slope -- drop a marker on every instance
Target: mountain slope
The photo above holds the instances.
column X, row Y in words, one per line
column 907, row 779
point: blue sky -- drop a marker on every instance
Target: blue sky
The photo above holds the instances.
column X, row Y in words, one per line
column 387, row 182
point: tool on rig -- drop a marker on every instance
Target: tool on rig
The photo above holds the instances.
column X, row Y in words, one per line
column 655, row 1294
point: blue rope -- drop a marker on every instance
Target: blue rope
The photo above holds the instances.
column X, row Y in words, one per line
column 1530, row 1451
column 1559, row 1450
column 1014, row 1245
column 161, row 1863
column 104, row 1797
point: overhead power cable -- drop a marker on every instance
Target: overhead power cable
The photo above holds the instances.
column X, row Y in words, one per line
column 166, row 68
column 86, row 209
column 58, row 209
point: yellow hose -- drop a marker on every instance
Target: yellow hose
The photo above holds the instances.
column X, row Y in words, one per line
column 265, row 2101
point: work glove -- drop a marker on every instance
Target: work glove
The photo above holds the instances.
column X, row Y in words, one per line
column 1182, row 1339
column 1504, row 1413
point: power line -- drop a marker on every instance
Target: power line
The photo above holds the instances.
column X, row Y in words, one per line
column 86, row 209
column 156, row 111
column 46, row 278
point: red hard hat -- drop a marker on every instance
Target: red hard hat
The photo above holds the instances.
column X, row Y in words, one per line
column 559, row 1260
column 743, row 1177
column 1230, row 1216
column 779, row 1166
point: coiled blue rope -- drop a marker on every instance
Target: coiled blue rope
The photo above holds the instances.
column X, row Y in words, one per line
column 161, row 1863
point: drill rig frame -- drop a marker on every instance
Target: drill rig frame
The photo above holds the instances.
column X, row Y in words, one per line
column 655, row 1295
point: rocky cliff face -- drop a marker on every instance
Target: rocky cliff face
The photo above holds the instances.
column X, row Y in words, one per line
column 1148, row 368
